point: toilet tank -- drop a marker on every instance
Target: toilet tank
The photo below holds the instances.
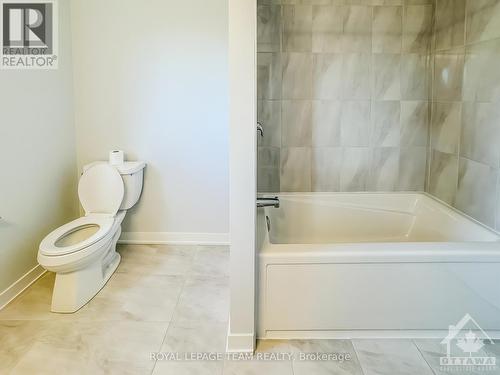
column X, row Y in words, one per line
column 132, row 173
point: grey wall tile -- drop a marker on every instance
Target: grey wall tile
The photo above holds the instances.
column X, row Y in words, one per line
column 386, row 124
column 384, row 170
column 295, row 169
column 481, row 133
column 269, row 115
column 297, row 123
column 414, row 123
column 443, row 176
column 268, row 28
column 450, row 23
column 356, row 124
column 312, row 2
column 331, row 106
column 325, row 174
column 446, row 127
column 465, row 117
column 297, row 76
column 357, row 35
column 268, row 171
column 269, row 76
column 326, row 123
column 387, row 29
column 387, row 2
column 418, row 25
column 415, row 74
column 268, row 180
column 482, row 76
column 269, row 157
column 448, row 76
column 327, row 76
column 356, row 73
column 483, row 20
column 497, row 206
column 355, row 168
column 297, row 28
column 358, row 2
column 476, row 192
column 268, row 2
column 386, row 77
column 412, row 168
column 419, row 2
column 327, row 28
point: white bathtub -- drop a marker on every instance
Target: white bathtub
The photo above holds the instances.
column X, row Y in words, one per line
column 373, row 265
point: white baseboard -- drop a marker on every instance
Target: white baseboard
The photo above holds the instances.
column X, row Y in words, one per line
column 20, row 285
column 240, row 343
column 174, row 238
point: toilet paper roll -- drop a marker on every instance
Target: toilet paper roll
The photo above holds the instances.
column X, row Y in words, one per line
column 116, row 157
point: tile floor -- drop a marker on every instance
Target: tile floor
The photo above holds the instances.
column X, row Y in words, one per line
column 175, row 299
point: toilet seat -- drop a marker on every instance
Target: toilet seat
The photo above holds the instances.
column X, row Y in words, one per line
column 101, row 192
column 49, row 246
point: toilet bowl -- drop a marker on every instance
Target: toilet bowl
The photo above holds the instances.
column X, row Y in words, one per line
column 83, row 253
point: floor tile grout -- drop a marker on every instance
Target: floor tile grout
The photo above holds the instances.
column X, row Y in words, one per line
column 423, row 357
column 357, row 356
column 170, row 325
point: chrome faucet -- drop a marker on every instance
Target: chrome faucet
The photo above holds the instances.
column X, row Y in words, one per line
column 268, row 202
column 260, row 129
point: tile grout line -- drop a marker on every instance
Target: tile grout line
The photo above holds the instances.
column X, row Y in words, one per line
column 357, row 356
column 423, row 357
column 159, row 348
column 170, row 323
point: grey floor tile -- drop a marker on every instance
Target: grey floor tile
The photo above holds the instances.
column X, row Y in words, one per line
column 92, row 348
column 388, row 357
column 212, row 261
column 346, row 362
column 34, row 303
column 188, row 368
column 136, row 296
column 258, row 368
column 432, row 350
column 156, row 259
column 204, row 300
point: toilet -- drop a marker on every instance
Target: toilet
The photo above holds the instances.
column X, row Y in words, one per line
column 83, row 253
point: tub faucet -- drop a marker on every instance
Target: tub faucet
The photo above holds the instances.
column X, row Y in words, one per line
column 268, row 202
column 260, row 129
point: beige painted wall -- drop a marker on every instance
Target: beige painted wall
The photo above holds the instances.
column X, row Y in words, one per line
column 37, row 142
column 152, row 80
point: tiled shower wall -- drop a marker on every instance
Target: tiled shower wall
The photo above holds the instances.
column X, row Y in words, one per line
column 343, row 89
column 465, row 132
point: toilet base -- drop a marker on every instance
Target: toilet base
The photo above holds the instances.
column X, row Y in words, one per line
column 74, row 290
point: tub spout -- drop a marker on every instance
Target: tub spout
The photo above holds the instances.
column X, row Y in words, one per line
column 268, row 202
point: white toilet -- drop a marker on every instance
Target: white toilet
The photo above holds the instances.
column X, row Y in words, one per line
column 83, row 253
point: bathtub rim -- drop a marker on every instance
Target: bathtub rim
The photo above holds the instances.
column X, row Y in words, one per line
column 382, row 252
column 423, row 194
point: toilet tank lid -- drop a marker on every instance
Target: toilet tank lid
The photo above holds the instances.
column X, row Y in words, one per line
column 128, row 167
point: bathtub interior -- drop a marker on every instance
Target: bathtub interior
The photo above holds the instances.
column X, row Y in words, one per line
column 370, row 217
